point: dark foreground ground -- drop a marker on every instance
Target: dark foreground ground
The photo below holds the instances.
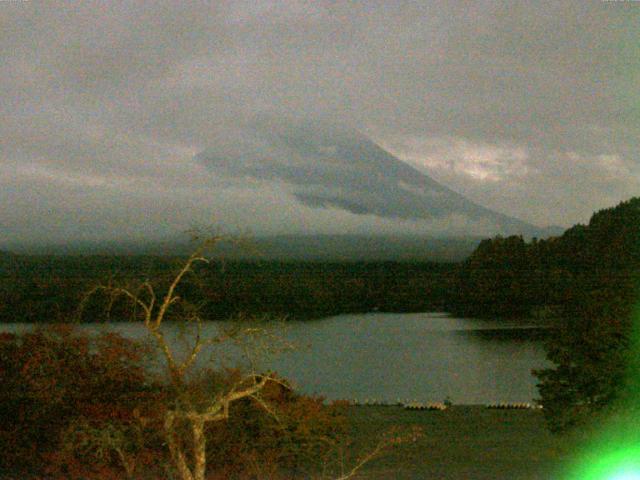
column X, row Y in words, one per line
column 463, row 442
column 460, row 443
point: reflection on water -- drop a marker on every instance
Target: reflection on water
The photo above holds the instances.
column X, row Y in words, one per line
column 390, row 357
column 523, row 334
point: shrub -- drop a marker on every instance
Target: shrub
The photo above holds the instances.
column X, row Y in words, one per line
column 77, row 407
column 56, row 380
column 291, row 440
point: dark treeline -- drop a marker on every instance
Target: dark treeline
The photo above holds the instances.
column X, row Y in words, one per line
column 50, row 288
column 503, row 277
column 585, row 283
column 509, row 277
column 314, row 289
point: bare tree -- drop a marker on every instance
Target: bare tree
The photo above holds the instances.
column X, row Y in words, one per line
column 188, row 414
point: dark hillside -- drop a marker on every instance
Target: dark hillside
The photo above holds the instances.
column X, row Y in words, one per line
column 510, row 277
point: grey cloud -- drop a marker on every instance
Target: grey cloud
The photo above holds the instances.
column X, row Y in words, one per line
column 129, row 91
column 329, row 165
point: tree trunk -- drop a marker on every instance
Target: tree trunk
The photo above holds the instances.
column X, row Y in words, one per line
column 177, row 455
column 199, row 449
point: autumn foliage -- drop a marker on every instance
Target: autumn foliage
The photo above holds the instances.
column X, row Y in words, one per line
column 74, row 406
column 57, row 382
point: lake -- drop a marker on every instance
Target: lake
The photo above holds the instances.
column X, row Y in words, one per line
column 387, row 357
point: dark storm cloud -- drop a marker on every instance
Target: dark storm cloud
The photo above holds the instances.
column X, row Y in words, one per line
column 530, row 108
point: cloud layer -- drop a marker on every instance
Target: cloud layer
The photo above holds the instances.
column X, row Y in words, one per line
column 529, row 108
column 322, row 165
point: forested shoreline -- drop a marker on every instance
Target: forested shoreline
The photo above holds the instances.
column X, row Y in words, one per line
column 509, row 277
column 43, row 289
column 542, row 279
column 585, row 284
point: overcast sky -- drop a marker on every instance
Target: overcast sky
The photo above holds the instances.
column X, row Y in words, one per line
column 529, row 108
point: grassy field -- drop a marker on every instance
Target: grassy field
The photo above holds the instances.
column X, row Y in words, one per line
column 463, row 442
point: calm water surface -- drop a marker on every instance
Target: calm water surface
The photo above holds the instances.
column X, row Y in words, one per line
column 389, row 357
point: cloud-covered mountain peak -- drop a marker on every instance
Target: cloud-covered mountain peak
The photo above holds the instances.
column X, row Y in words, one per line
column 328, row 165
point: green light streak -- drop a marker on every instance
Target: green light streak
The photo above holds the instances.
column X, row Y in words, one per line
column 623, row 464
column 613, row 449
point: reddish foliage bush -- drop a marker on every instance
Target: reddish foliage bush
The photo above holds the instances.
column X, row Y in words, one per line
column 54, row 379
column 77, row 407
column 291, row 438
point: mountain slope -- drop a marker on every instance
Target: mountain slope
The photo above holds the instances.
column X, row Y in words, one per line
column 328, row 166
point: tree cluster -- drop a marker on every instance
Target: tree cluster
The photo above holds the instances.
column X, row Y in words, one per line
column 584, row 284
column 509, row 277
